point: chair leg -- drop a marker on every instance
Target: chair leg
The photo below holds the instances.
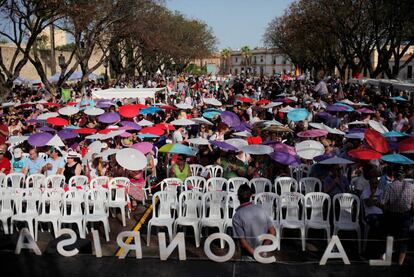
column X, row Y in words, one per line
column 31, row 228
column 106, row 227
column 169, row 228
column 221, row 241
column 328, row 234
column 359, row 240
column 36, row 229
column 175, row 227
column 5, row 227
column 149, row 233
column 55, row 228
column 302, row 232
column 197, row 235
column 123, row 216
column 81, row 229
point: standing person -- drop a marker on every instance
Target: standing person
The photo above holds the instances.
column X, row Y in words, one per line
column 249, row 222
column 34, row 163
column 5, row 166
column 398, row 202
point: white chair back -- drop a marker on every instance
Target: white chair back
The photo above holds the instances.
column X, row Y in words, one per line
column 260, row 184
column 285, row 185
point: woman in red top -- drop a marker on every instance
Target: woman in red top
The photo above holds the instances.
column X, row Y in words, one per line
column 4, row 163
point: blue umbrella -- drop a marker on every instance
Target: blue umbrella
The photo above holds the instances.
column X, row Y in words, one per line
column 397, row 159
column 144, row 136
column 211, row 114
column 150, row 110
column 298, row 115
column 398, row 98
column 176, row 148
column 84, row 104
column 394, row 134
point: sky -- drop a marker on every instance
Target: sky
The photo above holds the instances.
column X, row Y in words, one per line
column 235, row 23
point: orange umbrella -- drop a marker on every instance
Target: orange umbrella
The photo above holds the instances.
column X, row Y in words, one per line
column 57, row 121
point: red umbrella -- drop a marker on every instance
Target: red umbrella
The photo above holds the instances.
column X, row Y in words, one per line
column 105, row 131
column 140, row 106
column 376, row 141
column 152, row 130
column 57, row 121
column 364, row 154
column 245, row 99
column 51, row 104
column 406, row 145
column 24, row 106
column 263, row 102
column 168, row 107
column 71, row 104
column 164, row 126
column 85, row 131
column 129, row 111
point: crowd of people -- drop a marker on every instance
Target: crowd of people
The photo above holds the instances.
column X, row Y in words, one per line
column 259, row 109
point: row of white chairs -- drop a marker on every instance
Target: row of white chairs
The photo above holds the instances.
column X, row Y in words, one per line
column 291, row 210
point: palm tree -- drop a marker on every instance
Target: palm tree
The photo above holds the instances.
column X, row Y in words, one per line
column 225, row 55
column 246, row 53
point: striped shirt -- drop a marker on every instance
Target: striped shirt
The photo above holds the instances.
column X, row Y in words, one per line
column 398, row 197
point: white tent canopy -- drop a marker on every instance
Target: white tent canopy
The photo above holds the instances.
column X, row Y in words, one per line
column 76, row 75
column 121, row 93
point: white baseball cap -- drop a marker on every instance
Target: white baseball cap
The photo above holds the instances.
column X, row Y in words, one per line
column 17, row 153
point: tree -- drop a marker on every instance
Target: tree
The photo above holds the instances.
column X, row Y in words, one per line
column 225, row 55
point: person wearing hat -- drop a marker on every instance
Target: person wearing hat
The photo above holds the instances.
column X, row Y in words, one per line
column 17, row 162
column 55, row 164
column 73, row 166
column 5, row 166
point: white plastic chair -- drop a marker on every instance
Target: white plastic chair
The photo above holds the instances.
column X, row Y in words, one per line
column 298, row 172
column 26, row 209
column 6, row 210
column 43, row 156
column 16, row 179
column 294, row 218
column 73, row 215
column 36, row 181
column 161, row 214
column 349, row 208
column 118, row 197
column 234, row 183
column 260, row 184
column 213, row 215
column 52, row 214
column 3, row 177
column 172, row 184
column 270, row 202
column 79, row 181
column 55, row 181
column 285, row 185
column 25, row 155
column 216, row 184
column 232, row 203
column 98, row 182
column 97, row 209
column 309, row 184
column 196, row 169
column 196, row 183
column 189, row 212
column 214, row 171
column 315, row 218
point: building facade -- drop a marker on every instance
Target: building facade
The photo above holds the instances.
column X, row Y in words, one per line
column 259, row 61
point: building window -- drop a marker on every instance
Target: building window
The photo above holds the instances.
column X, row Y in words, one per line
column 261, row 59
column 409, row 72
column 237, row 59
column 274, row 60
column 236, row 72
column 254, row 58
column 284, row 61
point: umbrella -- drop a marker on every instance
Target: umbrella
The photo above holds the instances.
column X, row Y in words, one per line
column 143, row 147
column 132, row 125
column 51, row 105
column 73, row 127
column 394, row 134
column 144, row 136
column 336, row 108
column 198, row 141
column 125, row 135
column 223, row 145
column 57, row 121
column 397, row 159
column 376, row 141
column 109, row 118
column 182, row 122
column 348, row 108
column 285, row 158
column 364, row 154
column 272, row 104
column 281, row 147
column 131, row 159
column 244, row 99
column 357, row 122
column 212, row 101
column 85, row 131
column 67, row 134
column 230, row 119
column 39, row 139
column 55, row 141
column 104, row 104
column 184, row 106
column 262, row 102
column 94, row 111
column 176, row 148
column 167, row 107
column 272, row 122
column 112, row 134
column 152, row 130
column 244, row 126
column 16, row 139
column 210, row 114
column 314, row 133
column 95, row 147
column 324, row 115
column 165, row 126
column 297, row 115
column 377, row 126
column 68, row 111
column 129, row 111
column 355, row 136
column 348, row 102
column 150, row 110
column 407, row 145
column 336, row 160
column 202, row 120
column 104, row 154
column 236, row 142
column 144, row 123
column 84, row 104
column 309, row 149
column 45, row 116
column 275, row 128
column 47, row 129
column 323, row 157
column 365, row 110
column 244, row 134
column 398, row 98
column 286, row 109
column 257, row 149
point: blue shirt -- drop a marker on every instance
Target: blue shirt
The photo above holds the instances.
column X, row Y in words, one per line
column 18, row 165
column 56, row 164
column 34, row 167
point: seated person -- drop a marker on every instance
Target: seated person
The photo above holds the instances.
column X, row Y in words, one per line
column 55, row 164
column 180, row 169
column 18, row 162
column 34, row 163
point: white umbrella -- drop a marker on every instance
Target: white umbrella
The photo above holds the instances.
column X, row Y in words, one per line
column 378, row 126
column 16, row 139
column 358, row 122
column 334, row 131
column 286, row 109
column 104, row 154
column 55, row 141
column 272, row 122
column 212, row 101
column 112, row 134
column 244, row 134
column 131, row 159
column 68, row 110
column 293, row 98
column 184, row 106
column 202, row 120
column 95, row 136
column 236, row 142
column 272, row 104
column 144, row 123
column 94, row 148
column 309, row 149
column 257, row 149
column 336, row 160
column 182, row 122
column 319, row 126
column 198, row 141
column 94, row 111
column 45, row 116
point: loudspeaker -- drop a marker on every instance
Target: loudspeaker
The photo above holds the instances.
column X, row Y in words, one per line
column 83, row 245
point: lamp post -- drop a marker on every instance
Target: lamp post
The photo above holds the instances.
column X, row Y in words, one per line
column 61, row 61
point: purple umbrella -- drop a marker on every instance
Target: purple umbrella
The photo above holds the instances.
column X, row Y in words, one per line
column 67, row 134
column 223, row 145
column 109, row 118
column 324, row 115
column 281, row 147
column 143, row 147
column 130, row 124
column 47, row 129
column 104, row 104
column 32, row 121
column 242, row 127
column 285, row 158
column 336, row 108
column 357, row 130
column 323, row 157
column 230, row 119
column 313, row 133
column 39, row 139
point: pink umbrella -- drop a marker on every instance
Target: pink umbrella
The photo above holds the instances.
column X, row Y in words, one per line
column 365, row 110
column 313, row 133
column 143, row 147
column 284, row 148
